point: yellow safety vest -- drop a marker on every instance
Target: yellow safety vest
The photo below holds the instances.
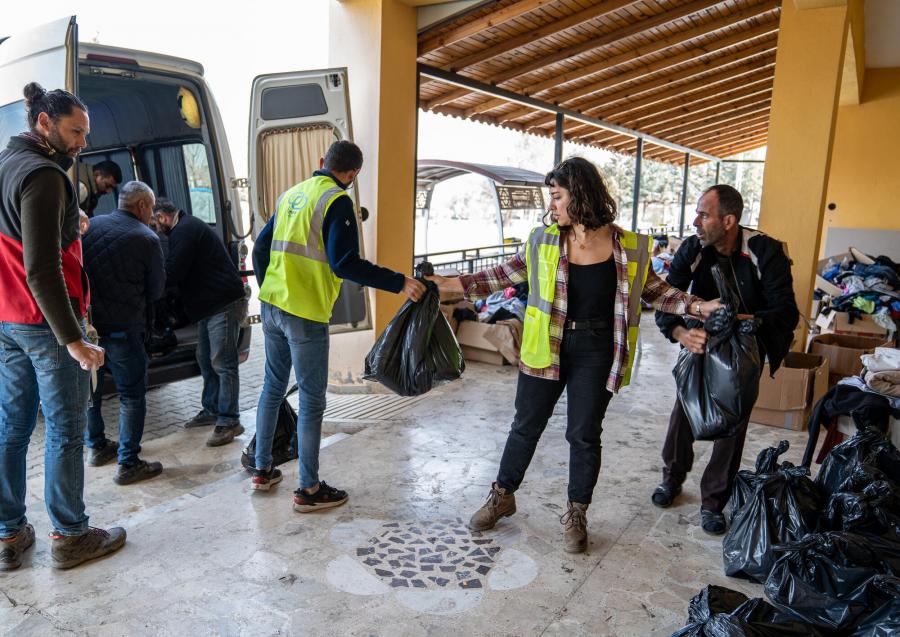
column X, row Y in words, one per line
column 542, row 260
column 299, row 279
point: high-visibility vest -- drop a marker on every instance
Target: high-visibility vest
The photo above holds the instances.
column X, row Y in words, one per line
column 299, row 279
column 542, row 260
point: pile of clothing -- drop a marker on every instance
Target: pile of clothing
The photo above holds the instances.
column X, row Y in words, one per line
column 828, row 551
column 503, row 305
column 868, row 285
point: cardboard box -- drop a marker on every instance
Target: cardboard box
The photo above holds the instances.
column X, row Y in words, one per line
column 843, row 352
column 494, row 344
column 787, row 399
column 863, row 326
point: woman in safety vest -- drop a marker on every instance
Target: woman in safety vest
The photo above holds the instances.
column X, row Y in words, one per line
column 586, row 277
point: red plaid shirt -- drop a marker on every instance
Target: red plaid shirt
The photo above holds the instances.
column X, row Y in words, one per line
column 656, row 292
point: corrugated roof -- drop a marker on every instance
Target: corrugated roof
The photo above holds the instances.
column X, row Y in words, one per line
column 432, row 171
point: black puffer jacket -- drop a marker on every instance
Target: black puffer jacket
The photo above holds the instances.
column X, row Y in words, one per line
column 124, row 262
column 199, row 265
column 763, row 274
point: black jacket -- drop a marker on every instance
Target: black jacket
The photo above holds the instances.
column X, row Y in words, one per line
column 199, row 265
column 763, row 274
column 124, row 262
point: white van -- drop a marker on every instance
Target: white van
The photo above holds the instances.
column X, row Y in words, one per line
column 155, row 116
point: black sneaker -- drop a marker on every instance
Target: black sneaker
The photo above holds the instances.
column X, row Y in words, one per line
column 202, row 419
column 712, row 522
column 222, row 435
column 67, row 551
column 665, row 494
column 101, row 455
column 325, row 498
column 13, row 548
column 140, row 470
column 262, row 479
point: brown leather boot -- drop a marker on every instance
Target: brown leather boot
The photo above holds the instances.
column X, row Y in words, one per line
column 499, row 504
column 575, row 522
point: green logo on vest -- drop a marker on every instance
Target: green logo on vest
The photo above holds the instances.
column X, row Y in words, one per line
column 297, row 202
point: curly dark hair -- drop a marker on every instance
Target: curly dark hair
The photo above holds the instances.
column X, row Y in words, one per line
column 592, row 206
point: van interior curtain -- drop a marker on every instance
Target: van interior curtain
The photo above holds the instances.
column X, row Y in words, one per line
column 288, row 156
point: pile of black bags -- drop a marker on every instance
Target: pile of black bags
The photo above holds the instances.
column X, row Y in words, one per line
column 717, row 389
column 828, row 551
column 417, row 350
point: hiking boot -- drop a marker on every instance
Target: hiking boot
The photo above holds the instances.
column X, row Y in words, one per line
column 222, row 435
column 665, row 494
column 325, row 498
column 101, row 455
column 264, row 479
column 499, row 504
column 140, row 470
column 712, row 522
column 202, row 419
column 575, row 522
column 12, row 548
column 67, row 551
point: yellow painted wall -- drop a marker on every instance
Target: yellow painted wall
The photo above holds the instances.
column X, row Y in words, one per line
column 865, row 166
column 376, row 41
column 808, row 67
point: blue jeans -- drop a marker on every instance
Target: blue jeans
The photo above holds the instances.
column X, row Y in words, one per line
column 291, row 340
column 35, row 369
column 217, row 354
column 126, row 360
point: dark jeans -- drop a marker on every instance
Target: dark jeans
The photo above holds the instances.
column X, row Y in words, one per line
column 126, row 360
column 586, row 359
column 718, row 477
column 218, row 337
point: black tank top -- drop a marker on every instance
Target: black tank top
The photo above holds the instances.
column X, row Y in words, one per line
column 592, row 291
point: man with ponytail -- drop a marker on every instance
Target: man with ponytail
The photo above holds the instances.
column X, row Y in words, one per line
column 45, row 357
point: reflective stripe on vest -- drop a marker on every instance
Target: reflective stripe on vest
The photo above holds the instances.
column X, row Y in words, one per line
column 299, row 279
column 543, row 250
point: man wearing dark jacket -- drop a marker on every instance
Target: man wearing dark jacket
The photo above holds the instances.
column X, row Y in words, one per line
column 212, row 294
column 124, row 261
column 46, row 360
column 757, row 268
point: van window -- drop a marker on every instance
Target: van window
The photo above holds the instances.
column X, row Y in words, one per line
column 12, row 121
column 181, row 172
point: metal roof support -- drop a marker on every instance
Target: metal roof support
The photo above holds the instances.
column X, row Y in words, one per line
column 559, row 138
column 718, row 170
column 684, row 192
column 638, row 159
column 511, row 96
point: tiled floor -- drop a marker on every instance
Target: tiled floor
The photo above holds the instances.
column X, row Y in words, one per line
column 206, row 557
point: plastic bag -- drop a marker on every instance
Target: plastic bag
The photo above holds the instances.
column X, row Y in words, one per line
column 882, row 617
column 721, row 612
column 284, row 443
column 824, row 578
column 745, row 481
column 417, row 349
column 717, row 389
column 868, row 446
column 872, row 510
column 785, row 506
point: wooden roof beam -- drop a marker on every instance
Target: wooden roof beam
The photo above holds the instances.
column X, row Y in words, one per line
column 427, row 44
column 647, row 71
column 737, row 100
column 627, row 56
column 736, row 128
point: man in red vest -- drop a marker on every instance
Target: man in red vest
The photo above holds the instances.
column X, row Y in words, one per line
column 44, row 357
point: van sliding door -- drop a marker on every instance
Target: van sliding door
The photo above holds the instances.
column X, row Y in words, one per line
column 294, row 118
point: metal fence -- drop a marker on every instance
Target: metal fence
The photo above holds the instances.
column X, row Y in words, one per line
column 468, row 260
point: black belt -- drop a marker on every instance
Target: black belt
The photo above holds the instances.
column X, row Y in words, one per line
column 589, row 324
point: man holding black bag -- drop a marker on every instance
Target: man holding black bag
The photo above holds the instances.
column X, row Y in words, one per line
column 756, row 268
column 301, row 256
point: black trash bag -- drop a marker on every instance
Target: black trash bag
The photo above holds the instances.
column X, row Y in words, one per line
column 745, row 481
column 417, row 349
column 882, row 617
column 721, row 612
column 717, row 389
column 868, row 446
column 872, row 510
column 784, row 507
column 823, row 579
column 284, row 444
